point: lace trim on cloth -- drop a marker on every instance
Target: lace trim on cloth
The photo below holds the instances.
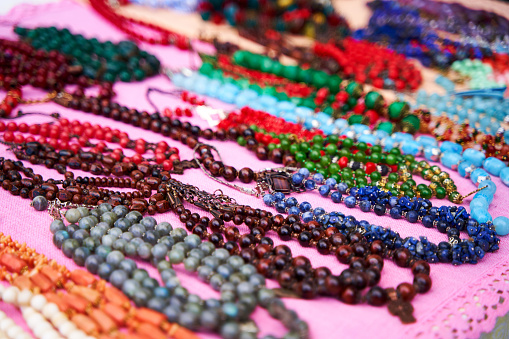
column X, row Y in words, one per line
column 472, row 311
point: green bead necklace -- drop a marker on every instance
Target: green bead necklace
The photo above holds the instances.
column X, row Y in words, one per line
column 103, row 61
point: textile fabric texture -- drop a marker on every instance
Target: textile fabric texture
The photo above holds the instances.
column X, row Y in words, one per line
column 463, row 302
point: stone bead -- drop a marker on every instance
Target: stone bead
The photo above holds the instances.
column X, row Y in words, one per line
column 494, row 166
column 501, row 225
column 72, row 215
column 474, row 156
column 504, row 176
column 481, row 215
column 40, row 203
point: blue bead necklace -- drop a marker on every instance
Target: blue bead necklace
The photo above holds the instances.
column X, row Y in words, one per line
column 449, row 220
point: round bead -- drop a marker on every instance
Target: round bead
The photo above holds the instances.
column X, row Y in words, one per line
column 501, row 225
column 40, row 203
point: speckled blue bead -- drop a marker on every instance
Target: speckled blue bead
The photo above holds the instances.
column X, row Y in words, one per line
column 268, row 199
column 310, row 184
column 318, row 178
column 324, row 190
column 307, row 216
column 304, row 206
column 350, row 201
column 297, row 178
column 304, row 172
column 293, row 210
column 412, row 216
column 331, row 182
column 501, row 225
column 342, row 187
column 336, row 197
column 365, row 205
column 395, row 212
column 494, row 165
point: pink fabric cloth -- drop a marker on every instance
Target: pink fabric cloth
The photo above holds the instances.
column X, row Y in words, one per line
column 463, row 302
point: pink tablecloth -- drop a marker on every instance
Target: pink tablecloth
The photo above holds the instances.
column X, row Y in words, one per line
column 463, row 302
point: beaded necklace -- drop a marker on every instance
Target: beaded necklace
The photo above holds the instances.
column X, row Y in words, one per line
column 99, row 60
column 309, row 18
column 160, row 36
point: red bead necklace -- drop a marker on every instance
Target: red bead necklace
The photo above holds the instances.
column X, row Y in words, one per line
column 127, row 25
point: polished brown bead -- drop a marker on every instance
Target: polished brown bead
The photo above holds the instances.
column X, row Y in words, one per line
column 155, row 198
column 338, row 239
column 331, row 231
column 355, row 237
column 377, row 247
column 265, row 223
column 247, row 254
column 282, row 250
column 333, row 286
column 422, row 283
column 350, row 295
column 215, row 224
column 64, row 195
column 246, row 240
column 215, row 168
column 376, row 296
column 276, row 155
column 162, row 206
column 306, row 289
column 322, row 272
column 286, row 278
column 263, row 266
column 420, row 266
column 375, row 261
column 280, row 261
column 151, row 209
column 406, row 291
column 153, row 182
column 220, row 134
column 373, row 275
column 301, row 261
column 262, row 250
column 402, row 257
column 344, row 254
column 231, row 233
column 278, row 220
column 262, row 153
column 229, row 173
column 246, row 175
column 323, row 246
column 359, row 250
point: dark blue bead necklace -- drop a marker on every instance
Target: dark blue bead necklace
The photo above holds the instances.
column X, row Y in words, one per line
column 447, row 219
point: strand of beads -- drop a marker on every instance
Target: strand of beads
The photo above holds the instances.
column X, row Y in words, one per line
column 179, row 5
column 481, row 74
column 243, row 289
column 450, row 220
column 102, row 61
column 41, row 316
column 487, row 114
column 77, row 304
column 9, row 329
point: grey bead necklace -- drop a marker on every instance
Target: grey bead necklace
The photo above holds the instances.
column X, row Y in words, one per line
column 102, row 238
